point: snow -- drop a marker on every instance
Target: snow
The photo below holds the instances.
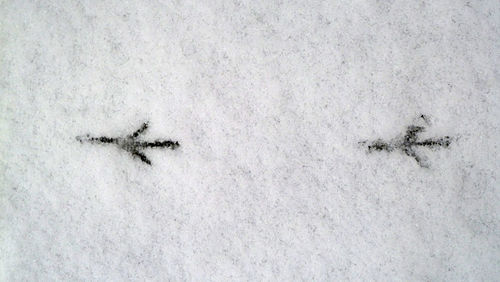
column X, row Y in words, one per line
column 269, row 101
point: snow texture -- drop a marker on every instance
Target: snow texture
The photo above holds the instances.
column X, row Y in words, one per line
column 270, row 102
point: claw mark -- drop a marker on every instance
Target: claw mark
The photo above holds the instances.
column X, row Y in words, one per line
column 131, row 144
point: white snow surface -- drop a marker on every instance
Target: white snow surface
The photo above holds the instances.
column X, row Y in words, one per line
column 269, row 101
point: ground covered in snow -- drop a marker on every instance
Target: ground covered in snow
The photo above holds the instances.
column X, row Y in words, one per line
column 273, row 104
